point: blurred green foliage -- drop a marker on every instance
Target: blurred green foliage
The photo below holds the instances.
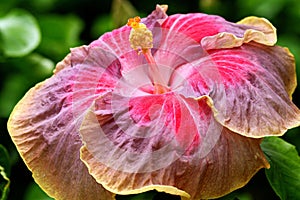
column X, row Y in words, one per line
column 36, row 34
column 60, row 32
column 20, row 33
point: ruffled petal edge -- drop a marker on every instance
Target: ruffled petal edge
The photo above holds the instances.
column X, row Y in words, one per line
column 258, row 30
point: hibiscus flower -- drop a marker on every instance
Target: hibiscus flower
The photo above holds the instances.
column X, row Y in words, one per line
column 176, row 103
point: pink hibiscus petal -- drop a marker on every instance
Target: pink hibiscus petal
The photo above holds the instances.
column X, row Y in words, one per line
column 258, row 81
column 258, row 97
column 44, row 127
column 195, row 25
column 214, row 32
column 168, row 143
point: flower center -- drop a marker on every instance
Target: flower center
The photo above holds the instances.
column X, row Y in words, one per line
column 141, row 40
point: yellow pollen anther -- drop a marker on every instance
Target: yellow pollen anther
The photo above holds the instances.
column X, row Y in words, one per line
column 140, row 37
column 134, row 22
column 137, row 19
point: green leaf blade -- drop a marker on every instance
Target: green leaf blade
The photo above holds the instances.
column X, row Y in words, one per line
column 19, row 33
column 284, row 174
column 56, row 44
column 4, row 173
column 35, row 192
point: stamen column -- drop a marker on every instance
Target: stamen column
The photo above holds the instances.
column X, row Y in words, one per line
column 141, row 40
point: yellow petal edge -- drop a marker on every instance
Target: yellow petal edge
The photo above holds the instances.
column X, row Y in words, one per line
column 264, row 33
column 160, row 188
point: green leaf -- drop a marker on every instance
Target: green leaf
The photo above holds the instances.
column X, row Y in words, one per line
column 268, row 9
column 101, row 25
column 284, row 174
column 4, row 173
column 6, row 5
column 41, row 5
column 292, row 136
column 36, row 66
column 60, row 33
column 4, row 160
column 31, row 69
column 19, row 33
column 35, row 192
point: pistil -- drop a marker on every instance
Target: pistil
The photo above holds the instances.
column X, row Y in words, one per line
column 159, row 83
